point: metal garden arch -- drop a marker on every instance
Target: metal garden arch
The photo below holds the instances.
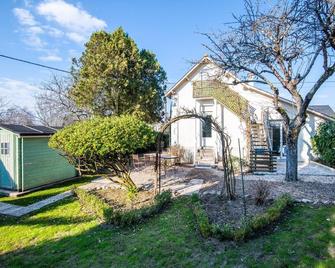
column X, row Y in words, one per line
column 229, row 177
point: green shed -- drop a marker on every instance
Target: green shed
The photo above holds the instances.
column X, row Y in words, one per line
column 26, row 161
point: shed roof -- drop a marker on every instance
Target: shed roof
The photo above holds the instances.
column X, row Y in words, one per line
column 29, row 130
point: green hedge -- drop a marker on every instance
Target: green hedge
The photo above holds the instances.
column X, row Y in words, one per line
column 247, row 229
column 105, row 213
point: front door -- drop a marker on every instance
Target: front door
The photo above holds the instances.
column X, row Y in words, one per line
column 206, row 126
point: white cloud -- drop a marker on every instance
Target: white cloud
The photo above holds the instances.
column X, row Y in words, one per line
column 18, row 92
column 76, row 37
column 77, row 22
column 50, row 58
column 25, row 17
column 30, row 28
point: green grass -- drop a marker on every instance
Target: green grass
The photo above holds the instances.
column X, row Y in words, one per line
column 33, row 197
column 63, row 236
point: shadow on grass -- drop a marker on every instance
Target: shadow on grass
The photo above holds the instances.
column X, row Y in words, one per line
column 42, row 194
column 171, row 239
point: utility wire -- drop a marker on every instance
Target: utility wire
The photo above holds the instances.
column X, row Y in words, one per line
column 34, row 63
column 64, row 71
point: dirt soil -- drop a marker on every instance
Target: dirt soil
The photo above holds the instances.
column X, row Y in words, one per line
column 119, row 199
column 223, row 211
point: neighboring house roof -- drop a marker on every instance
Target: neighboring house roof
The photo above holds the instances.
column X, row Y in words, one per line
column 324, row 109
column 29, row 130
column 205, row 60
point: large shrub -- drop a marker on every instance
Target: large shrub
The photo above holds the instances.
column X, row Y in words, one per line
column 324, row 143
column 104, row 144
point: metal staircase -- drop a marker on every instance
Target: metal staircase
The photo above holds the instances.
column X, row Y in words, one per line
column 262, row 158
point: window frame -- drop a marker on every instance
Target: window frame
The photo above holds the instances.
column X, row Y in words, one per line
column 4, row 148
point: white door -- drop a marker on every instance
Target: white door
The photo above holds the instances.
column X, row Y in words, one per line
column 6, row 161
column 206, row 127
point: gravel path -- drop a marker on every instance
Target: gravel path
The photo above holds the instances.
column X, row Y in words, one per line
column 310, row 189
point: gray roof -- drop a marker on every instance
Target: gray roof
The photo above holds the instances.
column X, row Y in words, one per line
column 323, row 109
column 29, row 130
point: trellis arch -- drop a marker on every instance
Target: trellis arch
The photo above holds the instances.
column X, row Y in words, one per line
column 229, row 178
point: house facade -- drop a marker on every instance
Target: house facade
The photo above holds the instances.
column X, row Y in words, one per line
column 245, row 112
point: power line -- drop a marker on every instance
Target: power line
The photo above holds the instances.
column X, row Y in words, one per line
column 34, row 63
column 64, row 71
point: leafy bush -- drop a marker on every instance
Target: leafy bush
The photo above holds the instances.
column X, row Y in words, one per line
column 96, row 206
column 247, row 229
column 104, row 144
column 261, row 192
column 324, row 143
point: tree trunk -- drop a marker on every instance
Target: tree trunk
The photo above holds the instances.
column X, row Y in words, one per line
column 292, row 157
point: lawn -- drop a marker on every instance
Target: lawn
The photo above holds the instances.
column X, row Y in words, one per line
column 33, row 197
column 62, row 236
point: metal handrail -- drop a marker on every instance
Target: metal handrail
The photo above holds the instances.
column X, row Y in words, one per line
column 266, row 128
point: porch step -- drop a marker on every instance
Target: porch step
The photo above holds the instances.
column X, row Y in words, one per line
column 205, row 156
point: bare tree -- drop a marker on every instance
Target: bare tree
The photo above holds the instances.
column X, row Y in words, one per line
column 3, row 108
column 54, row 106
column 280, row 46
column 17, row 115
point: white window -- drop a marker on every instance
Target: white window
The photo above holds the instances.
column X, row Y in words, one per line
column 4, row 147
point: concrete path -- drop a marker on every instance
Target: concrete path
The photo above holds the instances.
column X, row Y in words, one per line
column 18, row 211
column 307, row 168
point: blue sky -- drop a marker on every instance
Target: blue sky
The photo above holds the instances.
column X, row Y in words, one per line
column 51, row 32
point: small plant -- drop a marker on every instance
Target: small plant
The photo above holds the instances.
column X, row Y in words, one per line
column 261, row 191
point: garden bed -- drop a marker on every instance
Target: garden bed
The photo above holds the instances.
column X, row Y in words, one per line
column 221, row 226
column 116, row 208
column 119, row 200
column 221, row 210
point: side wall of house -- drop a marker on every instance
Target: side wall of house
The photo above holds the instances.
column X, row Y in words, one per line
column 184, row 132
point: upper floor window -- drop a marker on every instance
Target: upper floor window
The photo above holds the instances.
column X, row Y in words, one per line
column 4, row 147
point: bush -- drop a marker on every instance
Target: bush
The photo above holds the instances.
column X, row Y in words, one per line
column 103, row 144
column 247, row 229
column 261, row 192
column 324, row 143
column 96, row 206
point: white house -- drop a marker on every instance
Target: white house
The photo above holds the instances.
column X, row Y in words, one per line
column 244, row 111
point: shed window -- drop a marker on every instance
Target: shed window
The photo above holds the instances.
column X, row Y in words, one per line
column 4, row 147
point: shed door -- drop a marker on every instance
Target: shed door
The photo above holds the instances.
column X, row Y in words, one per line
column 6, row 164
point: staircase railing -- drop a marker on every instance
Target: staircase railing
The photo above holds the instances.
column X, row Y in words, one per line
column 266, row 127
